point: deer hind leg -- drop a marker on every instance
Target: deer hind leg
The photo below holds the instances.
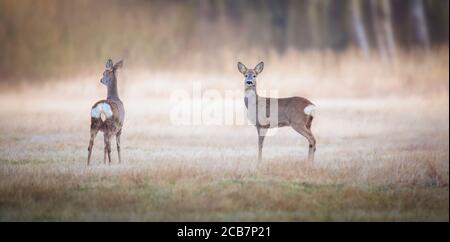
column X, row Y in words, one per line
column 107, row 152
column 306, row 132
column 261, row 136
column 118, row 144
column 94, row 132
column 309, row 122
column 109, row 149
column 108, row 146
column 104, row 149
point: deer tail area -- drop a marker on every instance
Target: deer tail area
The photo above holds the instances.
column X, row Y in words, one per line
column 310, row 112
column 102, row 110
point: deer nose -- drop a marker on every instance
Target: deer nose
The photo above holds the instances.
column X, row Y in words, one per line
column 249, row 82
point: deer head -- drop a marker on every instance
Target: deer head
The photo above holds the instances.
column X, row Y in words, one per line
column 250, row 74
column 109, row 78
column 109, row 75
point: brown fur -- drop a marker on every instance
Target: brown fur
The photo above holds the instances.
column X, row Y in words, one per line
column 290, row 111
column 113, row 125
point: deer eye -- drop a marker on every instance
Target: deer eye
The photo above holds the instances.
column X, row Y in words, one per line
column 246, row 75
column 254, row 76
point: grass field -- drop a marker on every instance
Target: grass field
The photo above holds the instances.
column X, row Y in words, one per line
column 379, row 157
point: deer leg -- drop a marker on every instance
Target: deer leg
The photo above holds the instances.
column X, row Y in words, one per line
column 91, row 143
column 312, row 150
column 118, row 144
column 108, row 147
column 105, row 150
column 261, row 136
column 303, row 130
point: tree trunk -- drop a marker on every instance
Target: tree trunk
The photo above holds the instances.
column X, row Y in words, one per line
column 387, row 26
column 358, row 26
column 278, row 11
column 420, row 23
column 381, row 12
column 315, row 24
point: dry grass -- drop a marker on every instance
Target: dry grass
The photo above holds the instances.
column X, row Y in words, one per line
column 379, row 158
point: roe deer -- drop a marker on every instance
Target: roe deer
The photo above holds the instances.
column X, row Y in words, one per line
column 108, row 115
column 297, row 112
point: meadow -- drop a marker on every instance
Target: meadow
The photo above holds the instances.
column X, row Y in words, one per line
column 382, row 135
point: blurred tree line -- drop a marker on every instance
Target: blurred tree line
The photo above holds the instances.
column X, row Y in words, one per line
column 42, row 38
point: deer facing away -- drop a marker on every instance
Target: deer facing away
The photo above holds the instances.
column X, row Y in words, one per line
column 297, row 112
column 108, row 115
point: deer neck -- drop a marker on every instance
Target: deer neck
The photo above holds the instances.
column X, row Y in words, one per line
column 251, row 96
column 112, row 90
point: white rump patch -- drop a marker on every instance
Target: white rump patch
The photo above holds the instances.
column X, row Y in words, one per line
column 102, row 108
column 310, row 110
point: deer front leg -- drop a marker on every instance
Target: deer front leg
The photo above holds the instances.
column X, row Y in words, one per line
column 91, row 143
column 118, row 145
column 261, row 136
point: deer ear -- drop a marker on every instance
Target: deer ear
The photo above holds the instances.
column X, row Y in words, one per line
column 259, row 68
column 241, row 67
column 109, row 64
column 118, row 64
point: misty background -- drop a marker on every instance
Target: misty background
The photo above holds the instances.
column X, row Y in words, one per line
column 377, row 71
column 46, row 39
